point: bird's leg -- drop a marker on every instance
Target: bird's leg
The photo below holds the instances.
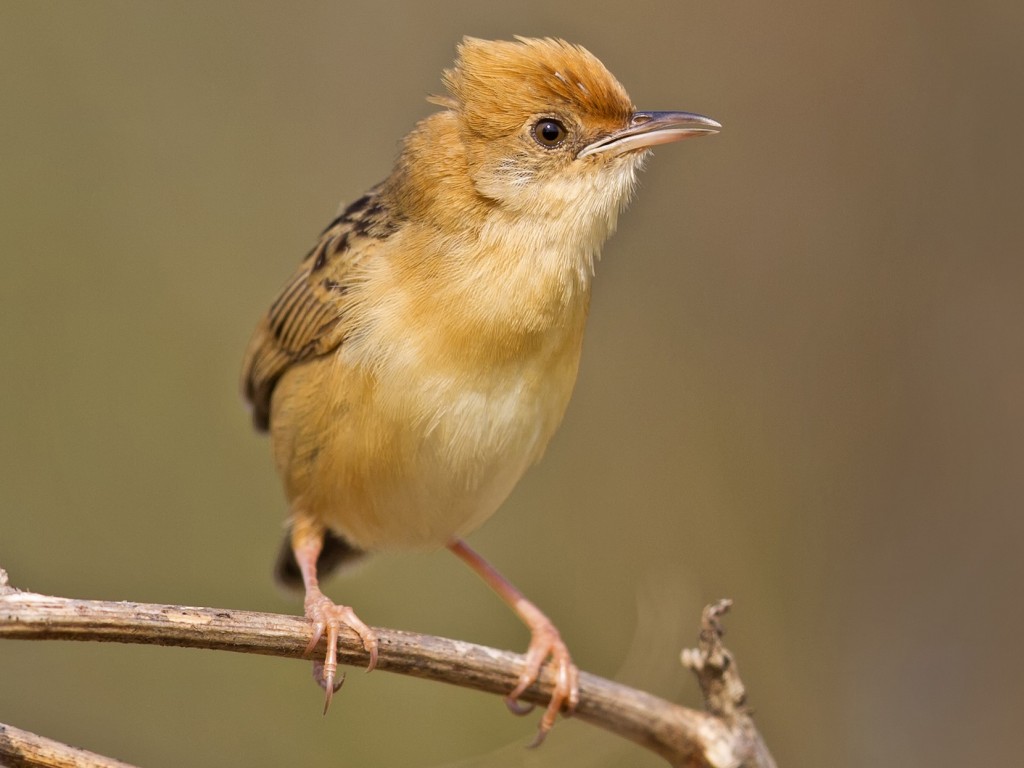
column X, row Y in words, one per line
column 307, row 541
column 545, row 642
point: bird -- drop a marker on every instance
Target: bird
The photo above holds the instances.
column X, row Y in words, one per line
column 422, row 355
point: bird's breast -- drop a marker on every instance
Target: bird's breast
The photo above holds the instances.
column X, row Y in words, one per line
column 428, row 417
column 425, row 454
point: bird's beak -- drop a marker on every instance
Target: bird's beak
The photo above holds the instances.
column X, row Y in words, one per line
column 648, row 129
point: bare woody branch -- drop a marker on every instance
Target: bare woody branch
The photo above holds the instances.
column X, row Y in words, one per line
column 724, row 736
column 22, row 749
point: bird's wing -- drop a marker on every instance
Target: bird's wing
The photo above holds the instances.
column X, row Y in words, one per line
column 306, row 319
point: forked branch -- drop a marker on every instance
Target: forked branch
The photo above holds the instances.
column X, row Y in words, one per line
column 724, row 736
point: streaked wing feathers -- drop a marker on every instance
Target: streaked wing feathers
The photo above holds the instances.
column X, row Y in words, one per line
column 306, row 319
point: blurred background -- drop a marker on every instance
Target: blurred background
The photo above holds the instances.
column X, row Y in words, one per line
column 801, row 386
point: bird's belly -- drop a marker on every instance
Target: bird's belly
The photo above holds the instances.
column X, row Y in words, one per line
column 410, row 463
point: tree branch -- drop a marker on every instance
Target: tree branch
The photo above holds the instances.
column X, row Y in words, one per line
column 22, row 749
column 724, row 736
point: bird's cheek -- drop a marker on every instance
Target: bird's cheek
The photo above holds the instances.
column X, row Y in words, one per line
column 505, row 180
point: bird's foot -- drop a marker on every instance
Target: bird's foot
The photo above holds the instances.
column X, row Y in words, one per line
column 546, row 642
column 328, row 617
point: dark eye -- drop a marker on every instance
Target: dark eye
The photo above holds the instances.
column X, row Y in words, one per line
column 549, row 132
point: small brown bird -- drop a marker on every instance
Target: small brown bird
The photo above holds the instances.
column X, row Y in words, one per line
column 422, row 356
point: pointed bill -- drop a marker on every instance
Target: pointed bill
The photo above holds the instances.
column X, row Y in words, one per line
column 648, row 129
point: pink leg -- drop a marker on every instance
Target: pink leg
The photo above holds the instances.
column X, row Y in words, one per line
column 545, row 642
column 307, row 541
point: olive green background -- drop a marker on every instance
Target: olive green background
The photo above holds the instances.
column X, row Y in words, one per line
column 801, row 385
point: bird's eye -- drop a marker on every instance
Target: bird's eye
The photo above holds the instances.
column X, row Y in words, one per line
column 549, row 132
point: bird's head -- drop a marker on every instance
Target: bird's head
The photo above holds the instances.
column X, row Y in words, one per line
column 547, row 129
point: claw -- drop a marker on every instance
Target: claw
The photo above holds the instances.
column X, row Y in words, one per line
column 325, row 679
column 318, row 632
column 517, row 707
column 372, row 650
column 538, row 739
column 331, row 688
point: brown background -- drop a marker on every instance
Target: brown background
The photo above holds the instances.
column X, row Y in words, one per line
column 801, row 385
